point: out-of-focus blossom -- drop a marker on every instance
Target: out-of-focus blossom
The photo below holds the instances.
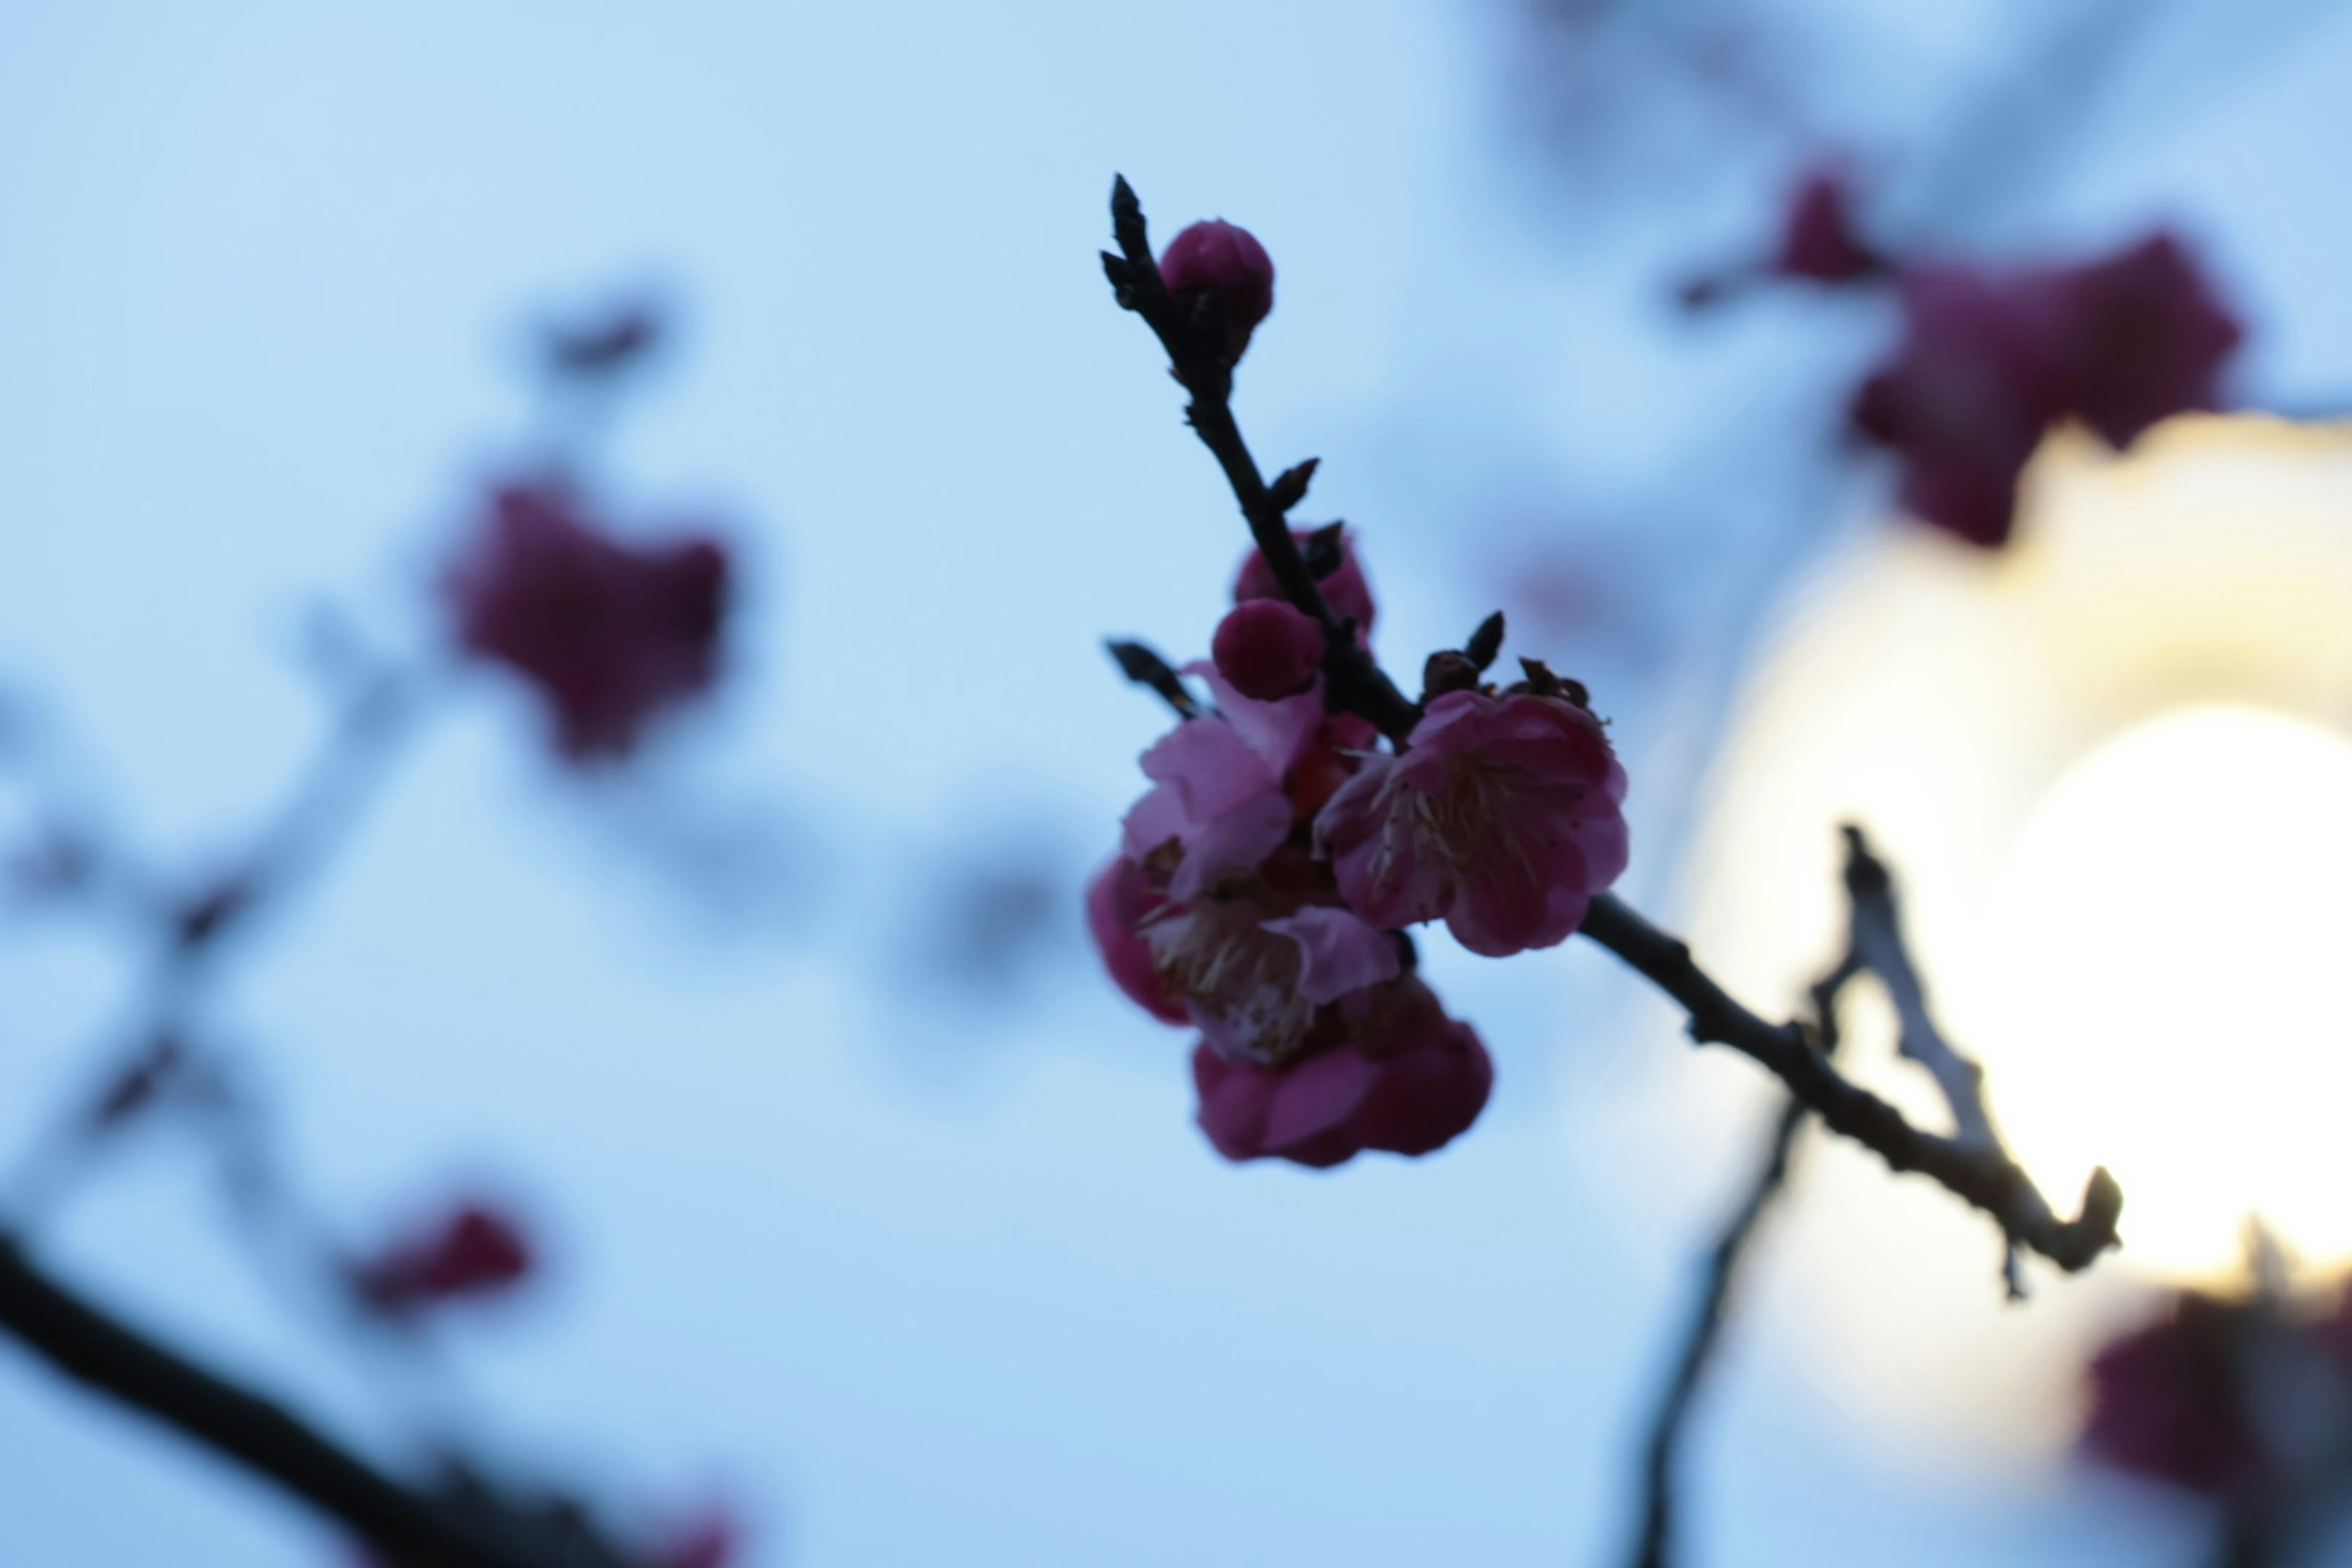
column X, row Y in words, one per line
column 473, row 1251
column 710, row 1539
column 2168, row 1400
column 1267, row 650
column 1818, row 240
column 1226, row 258
column 1990, row 361
column 2148, row 339
column 1502, row 818
column 1343, row 584
column 608, row 633
column 1407, row 1079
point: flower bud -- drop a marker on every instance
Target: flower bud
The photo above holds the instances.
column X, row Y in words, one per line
column 1267, row 649
column 1226, row 258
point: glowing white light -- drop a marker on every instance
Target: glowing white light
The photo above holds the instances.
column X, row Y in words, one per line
column 2161, row 982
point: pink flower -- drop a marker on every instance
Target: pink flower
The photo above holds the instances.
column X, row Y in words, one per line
column 609, row 635
column 1267, row 649
column 708, row 1540
column 1344, row 586
column 1501, row 817
column 1119, row 900
column 2169, row 1401
column 1218, row 802
column 1227, row 258
column 1818, row 240
column 1256, row 966
column 1990, row 362
column 2148, row 339
column 1966, row 399
column 474, row 1250
column 1408, row 1080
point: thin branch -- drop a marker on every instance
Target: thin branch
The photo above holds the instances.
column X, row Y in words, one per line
column 1142, row 664
column 1354, row 682
column 1983, row 1175
column 1654, row 1548
column 86, row 1344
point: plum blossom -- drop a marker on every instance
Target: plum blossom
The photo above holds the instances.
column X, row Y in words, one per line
column 472, row 1250
column 609, row 635
column 1226, row 258
column 1990, row 361
column 2168, row 1401
column 1406, row 1078
column 1818, row 238
column 1119, row 900
column 1255, row 966
column 1267, row 650
column 1501, row 817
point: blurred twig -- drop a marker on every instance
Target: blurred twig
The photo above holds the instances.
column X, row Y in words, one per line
column 1656, row 1546
column 86, row 1344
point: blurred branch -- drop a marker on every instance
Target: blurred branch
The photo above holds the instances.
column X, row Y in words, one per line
column 1655, row 1547
column 263, row 1437
column 1981, row 1172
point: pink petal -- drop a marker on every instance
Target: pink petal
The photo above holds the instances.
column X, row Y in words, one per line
column 1338, row 952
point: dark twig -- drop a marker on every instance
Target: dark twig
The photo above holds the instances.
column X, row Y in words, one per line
column 87, row 1344
column 1142, row 664
column 1981, row 1174
column 1355, row 683
column 1654, row 1547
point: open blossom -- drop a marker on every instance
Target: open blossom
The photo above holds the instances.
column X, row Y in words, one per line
column 1990, row 361
column 1225, row 258
column 1345, row 589
column 1119, row 900
column 474, row 1250
column 1502, row 817
column 608, row 633
column 1405, row 1079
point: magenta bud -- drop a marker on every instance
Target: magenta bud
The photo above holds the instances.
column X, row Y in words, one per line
column 1226, row 258
column 1267, row 649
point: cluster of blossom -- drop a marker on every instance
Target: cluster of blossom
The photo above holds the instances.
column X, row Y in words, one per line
column 1991, row 358
column 2233, row 1398
column 610, row 635
column 1266, row 882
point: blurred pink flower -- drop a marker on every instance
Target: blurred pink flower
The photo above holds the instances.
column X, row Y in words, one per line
column 1818, row 239
column 1225, row 258
column 1502, row 817
column 1269, row 650
column 2168, row 1401
column 472, row 1250
column 1990, row 362
column 708, row 1540
column 1405, row 1079
column 608, row 633
column 1217, row 802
